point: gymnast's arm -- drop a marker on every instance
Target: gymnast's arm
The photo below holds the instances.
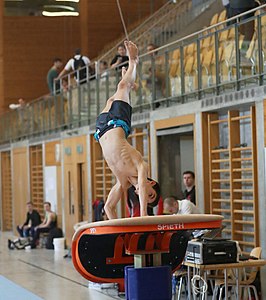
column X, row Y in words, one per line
column 142, row 182
column 114, row 197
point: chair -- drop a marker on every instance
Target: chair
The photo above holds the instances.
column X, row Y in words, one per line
column 206, row 68
column 174, row 63
column 222, row 16
column 246, row 283
column 180, row 280
column 190, row 73
column 214, row 19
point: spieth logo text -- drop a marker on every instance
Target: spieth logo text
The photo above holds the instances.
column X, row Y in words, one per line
column 171, row 226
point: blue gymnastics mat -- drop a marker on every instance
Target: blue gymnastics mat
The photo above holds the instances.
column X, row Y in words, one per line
column 11, row 291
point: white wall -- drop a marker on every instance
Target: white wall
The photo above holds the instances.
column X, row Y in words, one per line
column 186, row 155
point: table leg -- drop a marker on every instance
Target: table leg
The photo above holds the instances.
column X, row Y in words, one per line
column 188, row 283
column 237, row 284
column 194, row 295
column 205, row 279
column 226, row 283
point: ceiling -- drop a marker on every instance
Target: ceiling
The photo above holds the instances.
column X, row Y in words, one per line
column 41, row 7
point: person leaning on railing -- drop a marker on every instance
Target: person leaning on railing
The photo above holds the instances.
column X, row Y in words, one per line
column 120, row 58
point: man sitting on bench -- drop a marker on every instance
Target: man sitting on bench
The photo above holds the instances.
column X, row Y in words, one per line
column 48, row 223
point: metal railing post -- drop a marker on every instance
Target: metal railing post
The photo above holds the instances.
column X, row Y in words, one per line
column 217, row 63
column 167, row 81
column 238, row 75
column 199, row 70
column 182, row 73
column 260, row 54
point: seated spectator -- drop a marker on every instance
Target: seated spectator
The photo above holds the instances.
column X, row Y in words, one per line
column 78, row 64
column 22, row 118
column 120, row 59
column 33, row 219
column 103, row 67
column 153, row 67
column 21, row 104
column 189, row 182
column 52, row 75
column 133, row 204
column 48, row 223
column 172, row 206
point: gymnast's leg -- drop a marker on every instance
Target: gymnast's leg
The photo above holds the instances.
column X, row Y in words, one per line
column 128, row 77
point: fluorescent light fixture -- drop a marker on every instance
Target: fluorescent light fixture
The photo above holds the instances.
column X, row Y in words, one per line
column 76, row 1
column 62, row 7
column 60, row 13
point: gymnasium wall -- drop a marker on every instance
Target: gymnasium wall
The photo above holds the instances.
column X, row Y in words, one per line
column 1, row 54
column 75, row 180
column 21, row 191
column 30, row 44
column 101, row 23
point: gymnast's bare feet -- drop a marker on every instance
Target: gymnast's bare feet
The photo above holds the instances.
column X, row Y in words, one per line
column 132, row 51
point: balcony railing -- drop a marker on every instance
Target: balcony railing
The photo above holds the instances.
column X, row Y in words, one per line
column 206, row 63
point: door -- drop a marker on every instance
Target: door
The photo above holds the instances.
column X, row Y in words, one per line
column 71, row 211
column 81, row 184
column 175, row 155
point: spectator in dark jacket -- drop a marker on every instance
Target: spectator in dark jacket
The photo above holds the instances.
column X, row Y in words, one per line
column 189, row 183
column 33, row 220
column 120, row 59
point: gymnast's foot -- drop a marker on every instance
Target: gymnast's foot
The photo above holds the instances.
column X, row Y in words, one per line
column 132, row 51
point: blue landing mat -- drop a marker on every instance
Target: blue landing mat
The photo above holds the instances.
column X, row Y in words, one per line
column 11, row 291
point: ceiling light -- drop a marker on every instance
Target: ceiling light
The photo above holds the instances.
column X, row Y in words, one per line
column 68, row 1
column 60, row 13
column 60, row 7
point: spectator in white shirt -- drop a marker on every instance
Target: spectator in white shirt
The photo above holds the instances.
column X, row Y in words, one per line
column 183, row 207
column 77, row 63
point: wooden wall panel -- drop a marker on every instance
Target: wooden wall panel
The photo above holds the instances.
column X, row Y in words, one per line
column 101, row 23
column 75, row 163
column 21, row 193
column 74, row 145
column 36, row 178
column 6, row 192
column 30, row 45
column 59, row 196
column 173, row 122
column 205, row 161
column 1, row 54
column 50, row 154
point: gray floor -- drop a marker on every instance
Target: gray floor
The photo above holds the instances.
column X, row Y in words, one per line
column 46, row 274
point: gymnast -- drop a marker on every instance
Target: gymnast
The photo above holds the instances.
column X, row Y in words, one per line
column 113, row 126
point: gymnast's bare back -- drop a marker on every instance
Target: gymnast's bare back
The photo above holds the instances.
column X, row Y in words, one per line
column 125, row 162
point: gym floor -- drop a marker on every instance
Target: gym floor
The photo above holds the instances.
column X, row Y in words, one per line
column 49, row 275
column 46, row 274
